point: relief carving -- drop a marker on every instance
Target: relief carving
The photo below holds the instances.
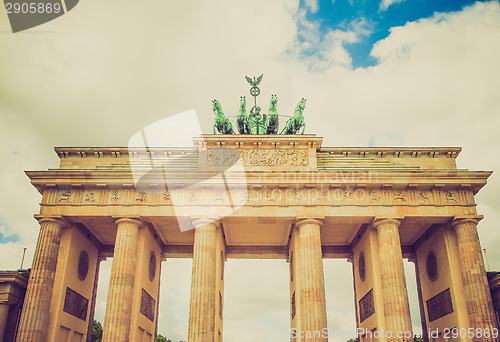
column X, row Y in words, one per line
column 244, row 198
column 219, row 197
column 192, row 196
column 423, row 197
column 90, row 197
column 323, row 197
column 166, row 196
column 451, row 197
column 268, row 196
column 115, row 196
column 374, row 198
column 400, row 196
column 223, row 157
column 64, row 197
column 280, row 157
column 296, row 197
column 141, row 197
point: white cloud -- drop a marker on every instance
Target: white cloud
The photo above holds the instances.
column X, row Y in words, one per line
column 384, row 4
column 321, row 50
column 312, row 5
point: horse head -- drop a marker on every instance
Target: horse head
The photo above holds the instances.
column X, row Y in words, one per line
column 216, row 107
column 300, row 106
column 274, row 100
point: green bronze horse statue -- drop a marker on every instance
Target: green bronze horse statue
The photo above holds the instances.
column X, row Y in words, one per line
column 242, row 119
column 296, row 122
column 272, row 116
column 221, row 124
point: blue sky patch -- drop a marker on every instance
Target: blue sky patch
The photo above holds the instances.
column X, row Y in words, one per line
column 331, row 15
column 6, row 234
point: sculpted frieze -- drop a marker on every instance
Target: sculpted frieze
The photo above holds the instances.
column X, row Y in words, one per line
column 274, row 157
column 262, row 195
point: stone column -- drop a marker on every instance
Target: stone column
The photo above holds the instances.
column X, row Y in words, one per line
column 36, row 309
column 311, row 280
column 121, row 283
column 394, row 293
column 94, row 296
column 203, row 283
column 476, row 289
column 4, row 314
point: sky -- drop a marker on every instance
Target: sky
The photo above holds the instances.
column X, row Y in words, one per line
column 375, row 73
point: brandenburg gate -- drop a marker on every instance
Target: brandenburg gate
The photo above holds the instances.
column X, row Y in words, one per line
column 257, row 196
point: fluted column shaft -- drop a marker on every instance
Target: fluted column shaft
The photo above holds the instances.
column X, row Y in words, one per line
column 4, row 314
column 476, row 289
column 203, row 283
column 394, row 293
column 312, row 284
column 36, row 308
column 121, row 283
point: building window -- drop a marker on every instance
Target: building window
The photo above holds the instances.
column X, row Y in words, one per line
column 291, row 266
column 293, row 305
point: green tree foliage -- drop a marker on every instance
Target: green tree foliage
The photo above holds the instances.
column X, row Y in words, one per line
column 96, row 332
column 418, row 338
column 160, row 338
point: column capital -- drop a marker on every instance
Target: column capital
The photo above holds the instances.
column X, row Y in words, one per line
column 457, row 220
column 299, row 221
column 134, row 220
column 59, row 220
column 381, row 221
column 199, row 221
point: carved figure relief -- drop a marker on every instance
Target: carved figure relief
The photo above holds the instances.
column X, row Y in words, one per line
column 219, row 197
column 323, row 197
column 90, row 197
column 115, row 196
column 166, row 196
column 374, row 198
column 223, row 157
column 348, row 195
column 296, row 196
column 64, row 197
column 450, row 197
column 244, row 198
column 192, row 197
column 423, row 197
column 141, row 197
column 280, row 157
column 400, row 196
column 268, row 196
